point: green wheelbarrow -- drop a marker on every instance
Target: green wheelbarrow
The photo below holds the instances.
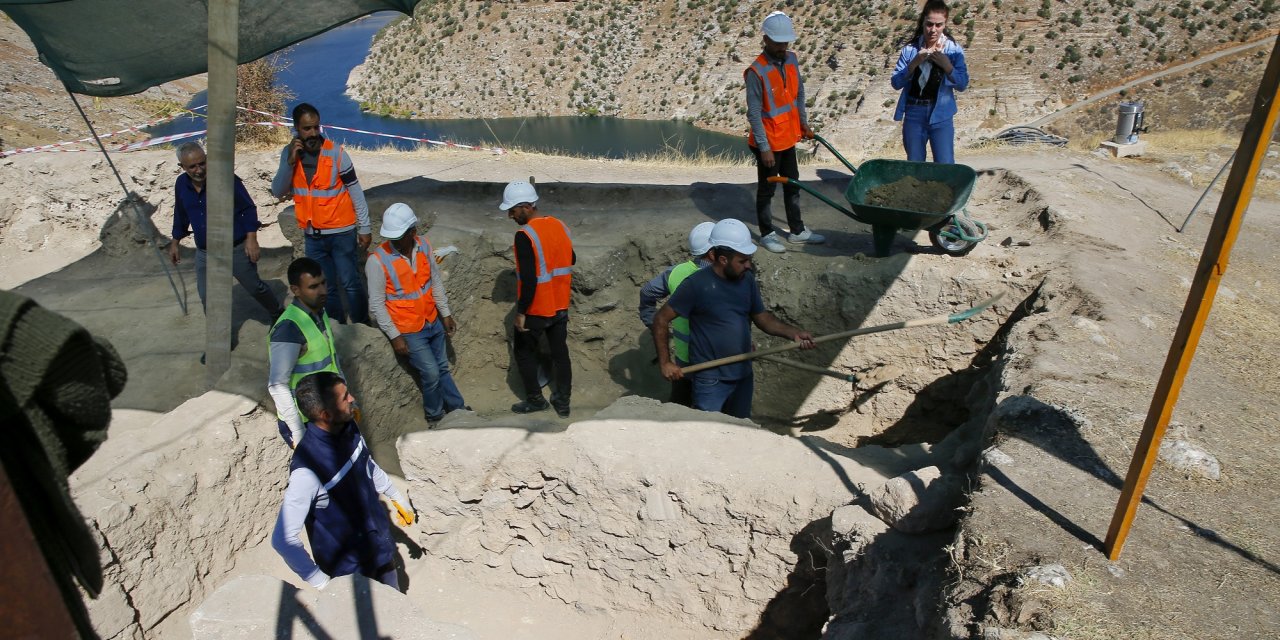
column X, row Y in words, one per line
column 951, row 231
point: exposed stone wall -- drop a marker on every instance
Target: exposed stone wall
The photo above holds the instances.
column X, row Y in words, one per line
column 173, row 501
column 679, row 514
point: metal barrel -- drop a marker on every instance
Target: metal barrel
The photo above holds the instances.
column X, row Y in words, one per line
column 1129, row 120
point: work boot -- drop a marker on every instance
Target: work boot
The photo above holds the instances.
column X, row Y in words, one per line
column 773, row 243
column 561, row 405
column 531, row 405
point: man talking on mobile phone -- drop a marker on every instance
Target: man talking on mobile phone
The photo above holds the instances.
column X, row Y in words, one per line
column 331, row 210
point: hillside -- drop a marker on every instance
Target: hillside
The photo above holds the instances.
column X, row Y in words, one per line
column 35, row 109
column 684, row 58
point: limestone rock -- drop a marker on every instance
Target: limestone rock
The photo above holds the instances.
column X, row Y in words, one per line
column 257, row 606
column 1054, row 575
column 918, row 501
column 1189, row 458
column 627, row 514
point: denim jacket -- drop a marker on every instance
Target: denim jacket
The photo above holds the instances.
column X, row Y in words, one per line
column 958, row 80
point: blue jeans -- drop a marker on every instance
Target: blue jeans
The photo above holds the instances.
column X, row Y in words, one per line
column 336, row 254
column 730, row 397
column 427, row 356
column 916, row 131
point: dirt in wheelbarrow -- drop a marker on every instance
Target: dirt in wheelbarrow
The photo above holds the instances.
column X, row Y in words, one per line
column 912, row 194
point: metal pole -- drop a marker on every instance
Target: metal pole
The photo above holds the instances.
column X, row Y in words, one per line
column 224, row 19
column 1213, row 264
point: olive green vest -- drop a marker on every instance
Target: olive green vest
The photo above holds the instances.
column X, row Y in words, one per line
column 680, row 326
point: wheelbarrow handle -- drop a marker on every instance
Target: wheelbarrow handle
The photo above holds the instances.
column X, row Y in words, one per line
column 823, row 141
column 813, row 192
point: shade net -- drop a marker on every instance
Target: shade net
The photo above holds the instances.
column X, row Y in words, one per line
column 122, row 47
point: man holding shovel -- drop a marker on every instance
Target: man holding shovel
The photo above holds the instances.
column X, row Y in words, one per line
column 721, row 303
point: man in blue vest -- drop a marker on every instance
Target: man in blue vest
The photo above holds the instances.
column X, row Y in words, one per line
column 663, row 285
column 333, row 493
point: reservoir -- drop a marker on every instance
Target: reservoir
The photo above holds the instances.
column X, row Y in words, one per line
column 317, row 69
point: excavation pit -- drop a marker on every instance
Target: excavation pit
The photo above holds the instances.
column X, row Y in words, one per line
column 678, row 522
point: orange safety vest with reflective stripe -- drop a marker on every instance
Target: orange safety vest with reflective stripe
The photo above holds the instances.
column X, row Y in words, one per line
column 779, row 111
column 553, row 259
column 323, row 202
column 409, row 298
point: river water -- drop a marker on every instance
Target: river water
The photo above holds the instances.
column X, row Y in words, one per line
column 317, row 71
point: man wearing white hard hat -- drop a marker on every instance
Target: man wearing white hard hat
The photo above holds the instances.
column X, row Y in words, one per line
column 721, row 303
column 544, row 273
column 776, row 113
column 662, row 286
column 408, row 300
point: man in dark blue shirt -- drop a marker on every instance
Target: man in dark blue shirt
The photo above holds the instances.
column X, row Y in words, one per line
column 721, row 303
column 189, row 218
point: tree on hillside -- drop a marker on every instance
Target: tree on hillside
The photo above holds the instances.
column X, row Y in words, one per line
column 257, row 88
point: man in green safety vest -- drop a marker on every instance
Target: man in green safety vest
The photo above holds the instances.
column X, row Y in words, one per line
column 664, row 285
column 301, row 343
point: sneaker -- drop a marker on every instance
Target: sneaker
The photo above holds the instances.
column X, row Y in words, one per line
column 807, row 237
column 562, row 410
column 773, row 243
column 530, row 406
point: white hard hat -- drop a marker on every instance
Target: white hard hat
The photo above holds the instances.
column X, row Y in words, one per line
column 700, row 238
column 397, row 219
column 731, row 233
column 778, row 28
column 516, row 193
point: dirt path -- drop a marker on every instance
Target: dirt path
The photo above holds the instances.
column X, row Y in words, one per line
column 1176, row 69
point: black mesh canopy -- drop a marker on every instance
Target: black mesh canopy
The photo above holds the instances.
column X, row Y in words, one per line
column 121, row 47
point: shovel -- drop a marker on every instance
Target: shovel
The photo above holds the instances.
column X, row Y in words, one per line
column 918, row 322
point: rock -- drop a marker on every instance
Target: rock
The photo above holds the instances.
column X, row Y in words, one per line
column 1268, row 174
column 996, row 458
column 1147, row 322
column 1054, row 575
column 1176, row 170
column 918, row 501
column 257, row 606
column 854, row 525
column 209, row 452
column 1189, row 458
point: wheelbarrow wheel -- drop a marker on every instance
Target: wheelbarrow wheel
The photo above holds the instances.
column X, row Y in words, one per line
column 952, row 242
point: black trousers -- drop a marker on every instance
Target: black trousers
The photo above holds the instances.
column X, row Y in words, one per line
column 784, row 164
column 556, row 328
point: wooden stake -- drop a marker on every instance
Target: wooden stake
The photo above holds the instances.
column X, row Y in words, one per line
column 1213, row 264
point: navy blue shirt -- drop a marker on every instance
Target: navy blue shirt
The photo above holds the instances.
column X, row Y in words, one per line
column 719, row 313
column 189, row 211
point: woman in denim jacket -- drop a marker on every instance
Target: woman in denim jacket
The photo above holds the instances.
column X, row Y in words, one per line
column 930, row 68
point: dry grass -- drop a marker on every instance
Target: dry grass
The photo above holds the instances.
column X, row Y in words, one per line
column 668, row 158
column 1195, row 141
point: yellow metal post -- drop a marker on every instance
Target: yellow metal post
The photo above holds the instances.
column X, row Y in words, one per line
column 1213, row 264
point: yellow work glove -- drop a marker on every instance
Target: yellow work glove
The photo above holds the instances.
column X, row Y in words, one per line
column 404, row 517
